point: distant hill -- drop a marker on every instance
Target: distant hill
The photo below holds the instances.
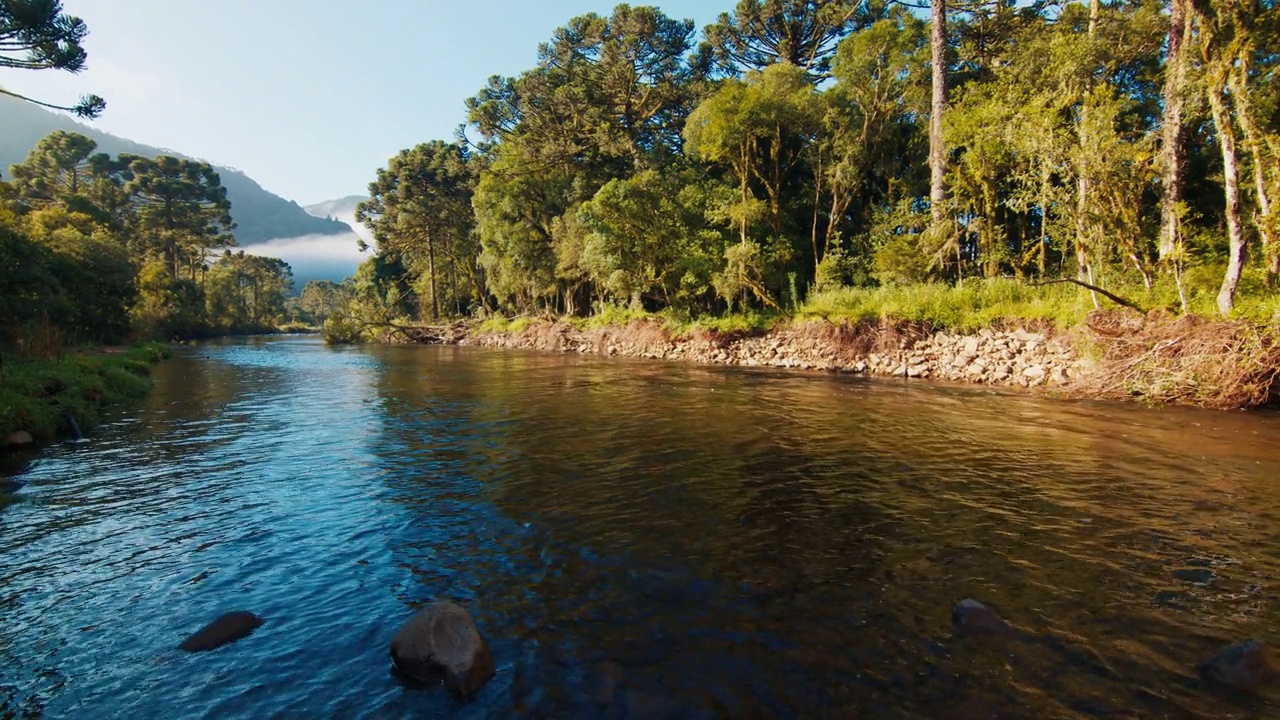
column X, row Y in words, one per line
column 259, row 215
column 329, row 257
column 343, row 210
column 338, row 209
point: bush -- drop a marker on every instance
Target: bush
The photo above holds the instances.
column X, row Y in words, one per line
column 38, row 395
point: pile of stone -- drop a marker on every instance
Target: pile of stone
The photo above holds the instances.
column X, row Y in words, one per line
column 1017, row 358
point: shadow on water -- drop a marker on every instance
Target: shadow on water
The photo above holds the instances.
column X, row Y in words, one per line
column 635, row 539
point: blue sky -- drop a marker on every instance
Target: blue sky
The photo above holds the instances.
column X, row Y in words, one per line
column 309, row 97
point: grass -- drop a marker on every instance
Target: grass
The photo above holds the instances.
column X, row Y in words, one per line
column 503, row 324
column 975, row 305
column 38, row 395
column 978, row 303
column 983, row 303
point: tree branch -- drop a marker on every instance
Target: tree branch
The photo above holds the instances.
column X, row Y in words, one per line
column 89, row 107
column 1109, row 295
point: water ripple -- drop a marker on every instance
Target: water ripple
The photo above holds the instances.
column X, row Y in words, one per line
column 636, row 539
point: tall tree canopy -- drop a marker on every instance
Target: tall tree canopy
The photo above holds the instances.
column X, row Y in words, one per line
column 805, row 145
column 38, row 35
column 419, row 210
column 759, row 33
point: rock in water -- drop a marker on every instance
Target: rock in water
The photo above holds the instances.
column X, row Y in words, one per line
column 1247, row 665
column 18, row 438
column 442, row 640
column 226, row 629
column 971, row 617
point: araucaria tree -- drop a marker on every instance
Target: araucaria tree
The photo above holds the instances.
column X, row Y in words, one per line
column 95, row 248
column 800, row 146
column 38, row 35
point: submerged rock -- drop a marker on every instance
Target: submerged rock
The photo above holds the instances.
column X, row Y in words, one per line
column 442, row 641
column 226, row 629
column 971, row 617
column 18, row 439
column 1247, row 665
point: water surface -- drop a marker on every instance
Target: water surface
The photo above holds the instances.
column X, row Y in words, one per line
column 636, row 539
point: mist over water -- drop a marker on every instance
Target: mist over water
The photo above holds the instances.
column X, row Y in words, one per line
column 315, row 257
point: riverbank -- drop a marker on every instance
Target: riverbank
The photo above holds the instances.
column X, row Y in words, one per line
column 1155, row 358
column 44, row 399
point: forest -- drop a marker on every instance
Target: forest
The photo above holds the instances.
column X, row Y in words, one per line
column 820, row 156
column 101, row 249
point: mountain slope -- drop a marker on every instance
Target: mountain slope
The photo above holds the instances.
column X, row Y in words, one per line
column 340, row 208
column 259, row 214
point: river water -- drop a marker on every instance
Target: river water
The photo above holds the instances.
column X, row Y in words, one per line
column 635, row 539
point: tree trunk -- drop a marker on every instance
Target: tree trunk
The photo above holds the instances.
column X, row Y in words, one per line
column 817, row 201
column 1083, row 179
column 1231, row 186
column 431, row 268
column 1253, row 140
column 937, row 151
column 1171, row 130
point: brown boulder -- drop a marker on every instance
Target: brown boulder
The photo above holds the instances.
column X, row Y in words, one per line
column 971, row 617
column 19, row 438
column 442, row 641
column 226, row 629
column 1247, row 665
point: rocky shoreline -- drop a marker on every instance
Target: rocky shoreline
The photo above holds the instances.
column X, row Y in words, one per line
column 1014, row 358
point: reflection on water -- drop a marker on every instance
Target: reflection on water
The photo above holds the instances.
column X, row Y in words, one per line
column 636, row 540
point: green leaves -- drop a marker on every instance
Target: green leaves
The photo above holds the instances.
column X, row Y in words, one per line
column 37, row 35
column 760, row 33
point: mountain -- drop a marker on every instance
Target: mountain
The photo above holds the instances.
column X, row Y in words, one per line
column 343, row 210
column 327, row 257
column 260, row 215
column 339, row 209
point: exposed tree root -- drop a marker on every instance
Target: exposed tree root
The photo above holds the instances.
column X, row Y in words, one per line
column 1187, row 360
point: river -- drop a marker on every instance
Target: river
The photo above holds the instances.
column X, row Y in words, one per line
column 635, row 539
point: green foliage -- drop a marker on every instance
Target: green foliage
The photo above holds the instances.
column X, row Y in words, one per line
column 166, row 306
column 245, row 293
column 318, row 300
column 38, row 35
column 96, row 249
column 37, row 395
column 420, row 212
column 802, row 33
column 626, row 177
column 649, row 238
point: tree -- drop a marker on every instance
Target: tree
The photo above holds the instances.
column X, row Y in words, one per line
column 608, row 95
column 1172, row 130
column 759, row 128
column 760, row 33
column 319, row 299
column 648, row 237
column 246, row 292
column 871, row 121
column 38, row 35
column 609, row 98
column 937, row 109
column 56, row 171
column 419, row 210
column 1223, row 34
column 179, row 209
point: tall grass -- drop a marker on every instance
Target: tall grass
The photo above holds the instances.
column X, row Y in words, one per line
column 972, row 306
column 38, row 395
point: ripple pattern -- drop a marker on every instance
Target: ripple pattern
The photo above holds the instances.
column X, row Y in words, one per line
column 636, row 539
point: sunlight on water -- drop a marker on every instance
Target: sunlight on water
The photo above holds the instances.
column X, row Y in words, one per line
column 635, row 539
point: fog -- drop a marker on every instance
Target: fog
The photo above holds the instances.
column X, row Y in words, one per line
column 314, row 257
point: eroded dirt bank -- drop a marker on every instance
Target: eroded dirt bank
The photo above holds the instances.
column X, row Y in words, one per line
column 1114, row 355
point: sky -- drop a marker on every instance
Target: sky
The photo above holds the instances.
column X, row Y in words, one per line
column 308, row 97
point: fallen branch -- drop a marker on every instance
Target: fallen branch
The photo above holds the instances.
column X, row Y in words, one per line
column 1107, row 294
